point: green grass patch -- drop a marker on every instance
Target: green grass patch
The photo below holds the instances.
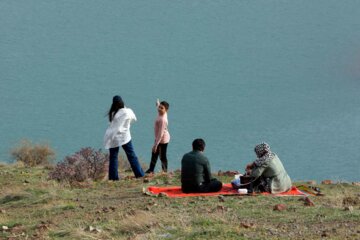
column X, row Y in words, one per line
column 12, row 198
column 59, row 234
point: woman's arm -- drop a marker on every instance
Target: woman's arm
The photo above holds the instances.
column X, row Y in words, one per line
column 257, row 171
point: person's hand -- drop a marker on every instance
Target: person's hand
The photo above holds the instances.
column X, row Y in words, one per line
column 157, row 102
column 154, row 149
column 249, row 166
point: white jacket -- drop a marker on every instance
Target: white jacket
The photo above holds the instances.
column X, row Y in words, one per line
column 118, row 131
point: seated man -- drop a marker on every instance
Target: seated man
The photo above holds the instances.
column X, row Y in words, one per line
column 195, row 171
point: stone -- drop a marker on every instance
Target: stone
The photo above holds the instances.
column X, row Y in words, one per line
column 279, row 207
column 325, row 234
column 311, row 182
column 308, row 202
column 247, row 225
column 327, row 182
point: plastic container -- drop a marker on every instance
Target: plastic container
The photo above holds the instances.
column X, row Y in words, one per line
column 242, row 191
column 237, row 176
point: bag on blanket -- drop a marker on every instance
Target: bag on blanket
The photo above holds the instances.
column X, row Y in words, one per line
column 241, row 181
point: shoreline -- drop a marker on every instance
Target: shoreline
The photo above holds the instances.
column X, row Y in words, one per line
column 220, row 172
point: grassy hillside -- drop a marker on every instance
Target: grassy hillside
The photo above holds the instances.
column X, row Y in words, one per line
column 32, row 207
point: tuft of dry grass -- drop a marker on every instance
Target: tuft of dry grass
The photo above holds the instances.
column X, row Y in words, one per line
column 138, row 222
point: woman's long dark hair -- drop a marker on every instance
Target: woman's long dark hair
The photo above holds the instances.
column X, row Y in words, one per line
column 115, row 106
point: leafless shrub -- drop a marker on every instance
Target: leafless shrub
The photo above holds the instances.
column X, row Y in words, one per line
column 85, row 164
column 33, row 154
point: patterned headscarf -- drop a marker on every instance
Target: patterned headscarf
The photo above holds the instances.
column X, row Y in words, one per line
column 263, row 153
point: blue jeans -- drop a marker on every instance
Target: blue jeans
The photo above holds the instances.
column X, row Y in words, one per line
column 113, row 164
column 132, row 158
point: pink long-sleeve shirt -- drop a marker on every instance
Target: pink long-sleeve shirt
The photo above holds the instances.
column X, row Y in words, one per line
column 162, row 134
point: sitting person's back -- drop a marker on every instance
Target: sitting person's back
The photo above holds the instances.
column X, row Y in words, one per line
column 195, row 171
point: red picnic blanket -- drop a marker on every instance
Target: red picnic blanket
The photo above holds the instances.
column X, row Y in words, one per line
column 175, row 191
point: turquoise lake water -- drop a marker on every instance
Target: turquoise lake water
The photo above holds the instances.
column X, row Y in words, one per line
column 235, row 73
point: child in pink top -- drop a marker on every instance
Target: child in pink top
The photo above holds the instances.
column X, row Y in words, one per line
column 162, row 137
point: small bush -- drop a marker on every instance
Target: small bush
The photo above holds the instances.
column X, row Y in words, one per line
column 83, row 165
column 33, row 154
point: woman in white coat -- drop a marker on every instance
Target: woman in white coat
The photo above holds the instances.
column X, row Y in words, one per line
column 118, row 134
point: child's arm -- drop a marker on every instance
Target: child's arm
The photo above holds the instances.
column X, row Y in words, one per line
column 157, row 102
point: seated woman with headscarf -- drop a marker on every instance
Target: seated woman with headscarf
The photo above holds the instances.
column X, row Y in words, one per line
column 268, row 172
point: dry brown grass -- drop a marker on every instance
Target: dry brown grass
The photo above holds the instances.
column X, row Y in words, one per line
column 138, row 222
column 33, row 154
column 120, row 210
